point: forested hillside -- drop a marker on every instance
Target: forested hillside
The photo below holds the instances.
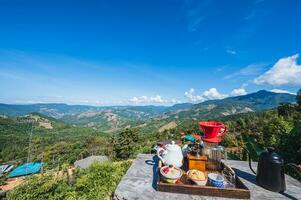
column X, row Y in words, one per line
column 113, row 119
column 56, row 142
column 56, row 110
column 54, row 145
column 251, row 103
column 152, row 119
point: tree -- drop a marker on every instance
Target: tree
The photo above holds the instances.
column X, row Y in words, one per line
column 274, row 131
column 125, row 144
column 286, row 109
column 291, row 144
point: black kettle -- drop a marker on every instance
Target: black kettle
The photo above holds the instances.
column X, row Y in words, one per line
column 270, row 171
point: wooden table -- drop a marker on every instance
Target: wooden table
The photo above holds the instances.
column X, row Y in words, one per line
column 140, row 181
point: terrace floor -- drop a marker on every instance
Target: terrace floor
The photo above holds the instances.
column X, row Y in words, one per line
column 139, row 183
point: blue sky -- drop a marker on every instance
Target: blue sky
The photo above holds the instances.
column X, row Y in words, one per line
column 147, row 52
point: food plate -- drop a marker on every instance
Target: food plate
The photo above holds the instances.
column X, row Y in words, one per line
column 197, row 177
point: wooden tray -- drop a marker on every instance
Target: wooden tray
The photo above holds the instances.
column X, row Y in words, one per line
column 186, row 186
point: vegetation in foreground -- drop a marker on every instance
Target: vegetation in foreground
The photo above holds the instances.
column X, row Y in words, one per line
column 62, row 144
column 99, row 181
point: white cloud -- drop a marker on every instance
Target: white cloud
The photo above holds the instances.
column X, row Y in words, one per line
column 98, row 102
column 252, row 69
column 153, row 99
column 250, row 16
column 213, row 93
column 18, row 101
column 238, row 92
column 281, row 91
column 138, row 100
column 285, row 71
column 221, row 68
column 157, row 99
column 194, row 16
column 229, row 51
column 175, row 101
column 210, row 94
column 84, row 101
column 194, row 98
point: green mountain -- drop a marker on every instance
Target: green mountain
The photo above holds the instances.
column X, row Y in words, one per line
column 112, row 119
column 180, row 106
column 53, row 141
column 115, row 118
column 56, row 110
column 258, row 101
column 59, row 110
column 254, row 102
column 106, row 118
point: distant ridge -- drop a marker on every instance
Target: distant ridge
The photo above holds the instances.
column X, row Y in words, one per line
column 258, row 100
column 114, row 118
column 253, row 102
column 55, row 110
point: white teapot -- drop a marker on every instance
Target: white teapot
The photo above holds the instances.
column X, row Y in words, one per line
column 171, row 155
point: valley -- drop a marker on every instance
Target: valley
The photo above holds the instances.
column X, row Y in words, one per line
column 112, row 119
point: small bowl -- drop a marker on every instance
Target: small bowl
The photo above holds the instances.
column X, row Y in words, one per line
column 169, row 178
column 216, row 180
column 197, row 181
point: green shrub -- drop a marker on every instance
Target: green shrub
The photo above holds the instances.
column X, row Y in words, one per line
column 99, row 181
column 46, row 186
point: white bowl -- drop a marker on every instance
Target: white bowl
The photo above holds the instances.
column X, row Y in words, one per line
column 169, row 177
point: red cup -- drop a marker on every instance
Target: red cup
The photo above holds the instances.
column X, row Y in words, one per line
column 213, row 129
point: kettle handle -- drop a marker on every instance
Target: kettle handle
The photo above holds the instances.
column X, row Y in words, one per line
column 250, row 164
column 159, row 150
column 224, row 132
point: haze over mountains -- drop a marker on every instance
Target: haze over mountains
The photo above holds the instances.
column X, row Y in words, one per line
column 114, row 118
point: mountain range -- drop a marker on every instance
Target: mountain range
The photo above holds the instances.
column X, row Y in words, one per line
column 114, row 118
